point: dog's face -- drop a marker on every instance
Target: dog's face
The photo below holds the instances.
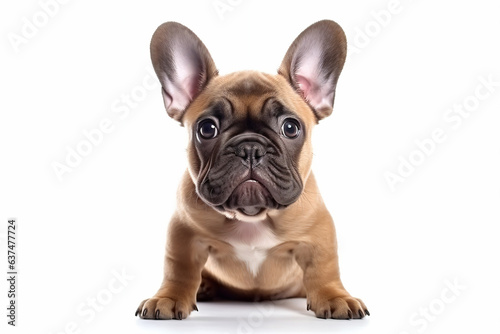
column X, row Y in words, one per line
column 250, row 132
column 250, row 145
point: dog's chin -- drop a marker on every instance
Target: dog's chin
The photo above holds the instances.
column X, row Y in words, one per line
column 240, row 216
column 248, row 202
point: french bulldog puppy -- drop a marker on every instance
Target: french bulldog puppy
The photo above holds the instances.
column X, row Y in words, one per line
column 250, row 222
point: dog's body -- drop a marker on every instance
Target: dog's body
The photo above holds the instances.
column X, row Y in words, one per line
column 250, row 222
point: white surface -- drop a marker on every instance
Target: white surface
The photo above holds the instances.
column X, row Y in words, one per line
column 399, row 250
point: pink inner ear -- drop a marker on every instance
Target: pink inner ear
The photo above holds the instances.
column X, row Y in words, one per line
column 191, row 86
column 167, row 99
column 183, row 85
column 317, row 91
column 175, row 97
column 304, row 86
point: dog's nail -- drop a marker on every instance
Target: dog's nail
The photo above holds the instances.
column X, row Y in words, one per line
column 308, row 307
column 349, row 314
column 144, row 312
column 361, row 314
column 137, row 312
column 326, row 315
column 179, row 315
column 195, row 307
column 157, row 314
column 366, row 312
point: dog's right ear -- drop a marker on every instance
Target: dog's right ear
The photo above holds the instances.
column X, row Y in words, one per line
column 183, row 65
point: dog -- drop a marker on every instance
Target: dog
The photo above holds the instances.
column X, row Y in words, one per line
column 250, row 222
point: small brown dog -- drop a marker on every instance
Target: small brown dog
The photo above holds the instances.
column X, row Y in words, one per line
column 250, row 222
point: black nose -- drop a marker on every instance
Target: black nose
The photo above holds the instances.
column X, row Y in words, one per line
column 251, row 153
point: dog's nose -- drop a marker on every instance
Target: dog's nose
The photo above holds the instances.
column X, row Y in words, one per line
column 251, row 153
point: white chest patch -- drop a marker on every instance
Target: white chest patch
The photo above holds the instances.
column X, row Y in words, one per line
column 251, row 242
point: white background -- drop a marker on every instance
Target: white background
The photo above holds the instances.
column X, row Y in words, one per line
column 399, row 248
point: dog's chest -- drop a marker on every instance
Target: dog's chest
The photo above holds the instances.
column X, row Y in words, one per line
column 251, row 243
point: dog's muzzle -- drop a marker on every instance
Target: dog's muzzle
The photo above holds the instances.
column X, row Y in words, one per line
column 249, row 174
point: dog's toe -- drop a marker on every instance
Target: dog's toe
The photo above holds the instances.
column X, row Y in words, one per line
column 164, row 308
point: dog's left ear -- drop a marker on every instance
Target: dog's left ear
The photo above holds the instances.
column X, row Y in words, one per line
column 313, row 64
column 183, row 65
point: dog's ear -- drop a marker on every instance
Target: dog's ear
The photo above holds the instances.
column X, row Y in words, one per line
column 313, row 64
column 183, row 65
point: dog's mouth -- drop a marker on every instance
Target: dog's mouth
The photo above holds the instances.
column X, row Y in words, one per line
column 250, row 198
column 248, row 176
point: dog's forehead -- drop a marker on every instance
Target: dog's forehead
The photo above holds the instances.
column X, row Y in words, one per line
column 249, row 84
column 247, row 92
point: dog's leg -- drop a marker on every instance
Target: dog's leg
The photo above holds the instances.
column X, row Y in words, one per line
column 326, row 296
column 184, row 260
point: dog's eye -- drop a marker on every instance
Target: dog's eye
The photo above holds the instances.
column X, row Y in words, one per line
column 290, row 128
column 208, row 129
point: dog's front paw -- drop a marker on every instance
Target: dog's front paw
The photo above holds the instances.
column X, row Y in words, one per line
column 335, row 306
column 165, row 308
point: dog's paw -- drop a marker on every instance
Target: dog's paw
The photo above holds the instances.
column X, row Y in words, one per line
column 206, row 291
column 164, row 308
column 338, row 307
